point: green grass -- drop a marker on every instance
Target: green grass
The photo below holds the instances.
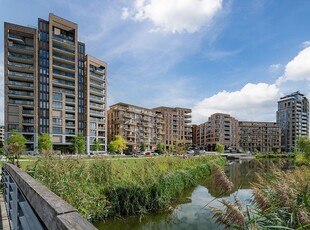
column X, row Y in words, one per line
column 101, row 188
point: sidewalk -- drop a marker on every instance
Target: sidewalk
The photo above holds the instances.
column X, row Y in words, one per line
column 4, row 223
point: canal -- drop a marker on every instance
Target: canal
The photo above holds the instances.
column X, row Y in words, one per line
column 191, row 210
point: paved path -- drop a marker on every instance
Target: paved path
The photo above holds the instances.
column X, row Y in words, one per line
column 4, row 223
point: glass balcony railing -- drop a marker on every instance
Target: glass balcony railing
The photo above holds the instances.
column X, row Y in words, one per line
column 96, row 75
column 96, row 105
column 96, row 82
column 17, row 83
column 70, row 131
column 16, row 55
column 70, row 108
column 96, row 111
column 20, row 102
column 55, row 80
column 22, row 93
column 24, row 47
column 20, row 74
column 96, row 97
column 63, row 48
column 61, row 90
column 28, row 112
column 63, row 73
column 64, row 38
column 17, row 64
column 96, row 90
column 70, row 124
column 55, row 54
column 28, row 121
column 96, row 119
column 69, row 115
column 14, row 36
column 63, row 65
column 70, row 99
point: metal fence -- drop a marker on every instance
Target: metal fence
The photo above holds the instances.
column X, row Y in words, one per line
column 20, row 213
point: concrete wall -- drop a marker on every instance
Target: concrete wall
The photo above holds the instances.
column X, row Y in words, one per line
column 51, row 209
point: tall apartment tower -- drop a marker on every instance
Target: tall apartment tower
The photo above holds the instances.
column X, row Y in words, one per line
column 293, row 119
column 177, row 125
column 52, row 86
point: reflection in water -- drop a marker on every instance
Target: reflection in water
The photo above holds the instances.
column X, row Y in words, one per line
column 191, row 212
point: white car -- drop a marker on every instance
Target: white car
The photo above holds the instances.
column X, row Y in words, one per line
column 191, row 152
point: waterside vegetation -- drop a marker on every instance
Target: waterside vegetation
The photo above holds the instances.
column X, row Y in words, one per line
column 102, row 188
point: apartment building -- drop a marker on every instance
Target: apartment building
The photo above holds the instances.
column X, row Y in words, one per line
column 52, row 86
column 220, row 128
column 2, row 134
column 238, row 135
column 293, row 119
column 259, row 136
column 194, row 135
column 136, row 125
column 177, row 124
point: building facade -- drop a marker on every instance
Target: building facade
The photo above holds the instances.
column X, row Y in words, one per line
column 2, row 134
column 177, row 125
column 219, row 129
column 259, row 136
column 194, row 135
column 49, row 85
column 136, row 125
column 293, row 119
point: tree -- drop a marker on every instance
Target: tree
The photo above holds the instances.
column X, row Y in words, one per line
column 79, row 144
column 142, row 147
column 45, row 143
column 161, row 148
column 97, row 145
column 118, row 145
column 180, row 147
column 303, row 143
column 172, row 149
column 16, row 145
column 219, row 148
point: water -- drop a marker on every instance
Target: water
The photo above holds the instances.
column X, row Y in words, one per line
column 191, row 211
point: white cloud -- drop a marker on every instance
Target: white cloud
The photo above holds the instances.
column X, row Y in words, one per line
column 253, row 102
column 298, row 69
column 274, row 68
column 306, row 44
column 175, row 15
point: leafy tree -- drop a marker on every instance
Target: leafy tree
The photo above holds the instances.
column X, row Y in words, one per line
column 161, row 148
column 172, row 149
column 16, row 145
column 180, row 146
column 303, row 143
column 118, row 145
column 79, row 143
column 45, row 143
column 97, row 145
column 219, row 148
column 142, row 147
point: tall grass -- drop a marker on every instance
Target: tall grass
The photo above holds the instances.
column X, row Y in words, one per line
column 280, row 200
column 102, row 188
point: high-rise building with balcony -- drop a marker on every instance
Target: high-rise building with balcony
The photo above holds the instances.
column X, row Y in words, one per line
column 52, row 86
column 293, row 119
column 177, row 125
column 136, row 125
column 2, row 134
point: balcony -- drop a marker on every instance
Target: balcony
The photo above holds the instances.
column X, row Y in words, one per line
column 62, row 73
column 64, row 39
column 62, row 48
column 100, row 91
column 20, row 66
column 16, row 57
column 96, row 75
column 20, row 48
column 72, row 124
column 63, row 58
column 28, row 121
column 96, row 83
column 20, row 74
column 20, row 102
column 64, row 83
column 20, row 93
column 16, row 38
column 21, row 84
column 63, row 66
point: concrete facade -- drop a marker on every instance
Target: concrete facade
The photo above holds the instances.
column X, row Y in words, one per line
column 293, row 118
column 52, row 86
column 2, row 134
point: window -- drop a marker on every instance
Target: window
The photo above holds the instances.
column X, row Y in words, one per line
column 57, row 130
column 57, row 96
column 57, row 121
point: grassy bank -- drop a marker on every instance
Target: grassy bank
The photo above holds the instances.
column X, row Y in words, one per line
column 101, row 188
column 273, row 155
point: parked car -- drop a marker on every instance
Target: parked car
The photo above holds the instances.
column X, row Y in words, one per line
column 148, row 153
column 202, row 151
column 191, row 152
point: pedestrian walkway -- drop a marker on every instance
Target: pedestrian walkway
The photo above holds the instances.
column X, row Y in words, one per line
column 4, row 224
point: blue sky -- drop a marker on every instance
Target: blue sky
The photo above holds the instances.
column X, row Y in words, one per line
column 233, row 56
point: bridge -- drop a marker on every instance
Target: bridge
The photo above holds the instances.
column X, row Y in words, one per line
column 30, row 205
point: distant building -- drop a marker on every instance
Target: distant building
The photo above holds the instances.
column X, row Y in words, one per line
column 238, row 135
column 2, row 134
column 177, row 124
column 293, row 119
column 220, row 128
column 136, row 125
column 259, row 136
column 194, row 135
column 52, row 86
